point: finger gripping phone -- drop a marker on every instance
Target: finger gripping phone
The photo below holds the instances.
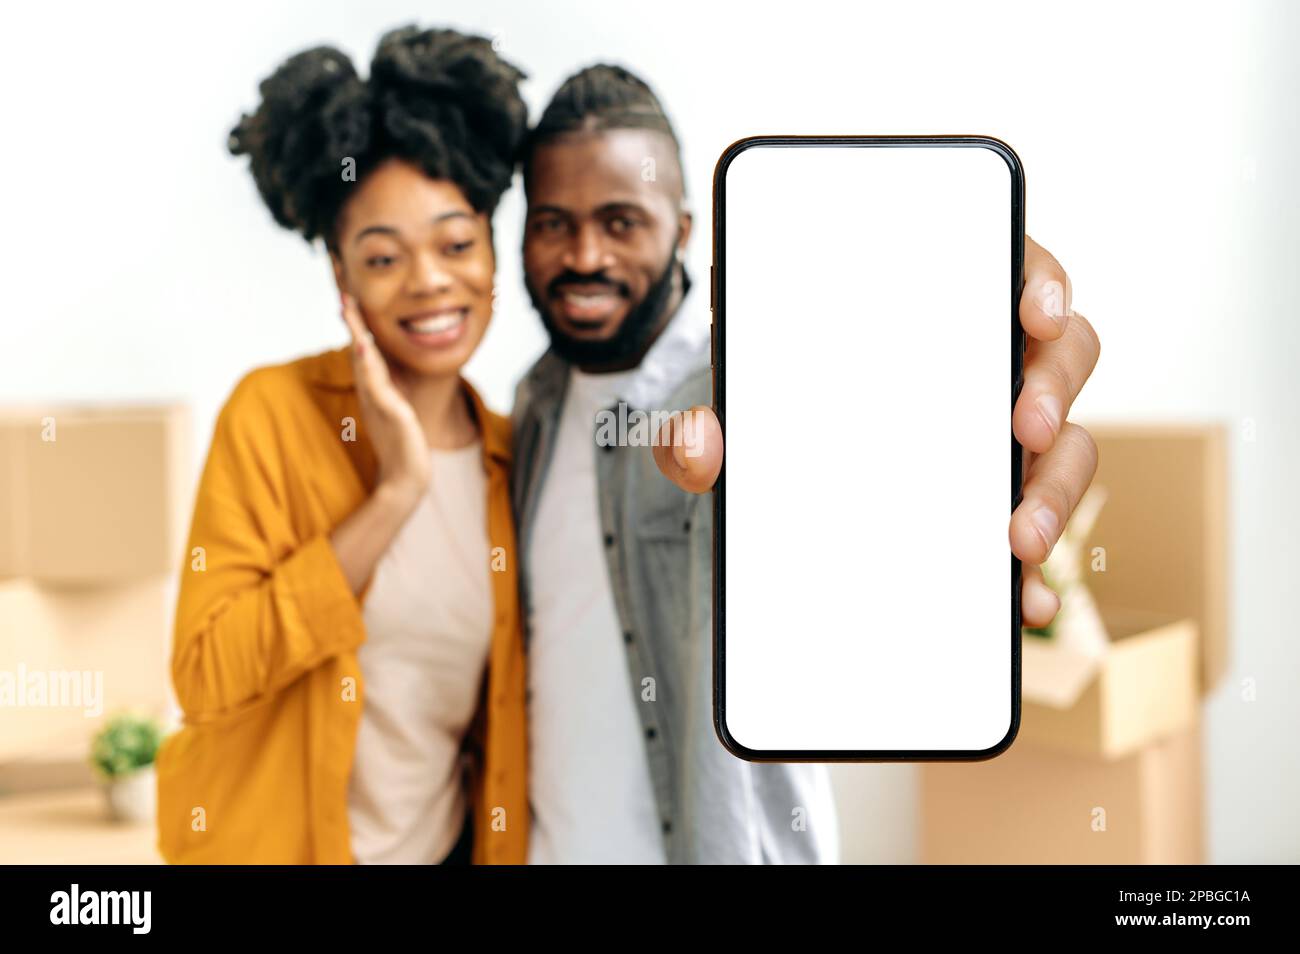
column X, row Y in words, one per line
column 867, row 356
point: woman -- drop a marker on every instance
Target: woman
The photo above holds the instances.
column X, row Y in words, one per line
column 347, row 648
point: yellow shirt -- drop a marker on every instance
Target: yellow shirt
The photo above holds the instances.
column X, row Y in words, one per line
column 264, row 659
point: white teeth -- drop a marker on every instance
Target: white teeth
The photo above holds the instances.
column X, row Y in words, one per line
column 432, row 326
column 575, row 299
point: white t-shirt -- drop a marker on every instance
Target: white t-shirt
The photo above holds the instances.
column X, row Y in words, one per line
column 589, row 782
column 429, row 618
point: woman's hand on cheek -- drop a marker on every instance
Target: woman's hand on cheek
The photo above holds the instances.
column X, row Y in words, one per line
column 387, row 417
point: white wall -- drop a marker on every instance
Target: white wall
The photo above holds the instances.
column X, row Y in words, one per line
column 1159, row 142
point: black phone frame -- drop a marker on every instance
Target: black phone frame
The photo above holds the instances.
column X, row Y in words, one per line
column 717, row 304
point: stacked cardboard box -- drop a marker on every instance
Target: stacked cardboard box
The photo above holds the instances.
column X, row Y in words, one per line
column 93, row 508
column 1107, row 765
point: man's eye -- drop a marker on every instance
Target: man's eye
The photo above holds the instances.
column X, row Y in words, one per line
column 620, row 224
column 460, row 248
column 548, row 225
column 380, row 261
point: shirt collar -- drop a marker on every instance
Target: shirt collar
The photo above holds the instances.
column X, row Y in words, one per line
column 333, row 371
column 679, row 351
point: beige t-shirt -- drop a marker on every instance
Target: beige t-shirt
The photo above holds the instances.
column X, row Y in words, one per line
column 428, row 618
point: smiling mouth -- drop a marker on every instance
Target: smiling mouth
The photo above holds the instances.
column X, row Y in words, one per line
column 589, row 308
column 436, row 327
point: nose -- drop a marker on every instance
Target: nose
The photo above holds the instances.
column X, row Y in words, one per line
column 428, row 276
column 587, row 254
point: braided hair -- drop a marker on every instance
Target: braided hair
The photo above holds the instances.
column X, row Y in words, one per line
column 440, row 99
column 598, row 98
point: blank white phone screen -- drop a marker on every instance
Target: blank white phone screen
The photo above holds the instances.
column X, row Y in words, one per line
column 867, row 357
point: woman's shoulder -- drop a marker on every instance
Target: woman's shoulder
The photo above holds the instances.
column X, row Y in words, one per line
column 286, row 417
column 283, row 389
column 331, row 369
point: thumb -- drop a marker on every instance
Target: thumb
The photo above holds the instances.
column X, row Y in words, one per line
column 688, row 449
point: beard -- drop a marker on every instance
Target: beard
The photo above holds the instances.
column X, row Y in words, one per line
column 633, row 337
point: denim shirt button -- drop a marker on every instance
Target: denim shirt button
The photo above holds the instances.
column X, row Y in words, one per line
column 627, row 637
column 668, row 827
column 650, row 732
column 609, row 539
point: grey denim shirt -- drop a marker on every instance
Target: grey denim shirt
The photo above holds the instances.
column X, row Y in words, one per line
column 714, row 807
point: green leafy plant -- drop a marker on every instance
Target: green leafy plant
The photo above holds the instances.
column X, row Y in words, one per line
column 126, row 744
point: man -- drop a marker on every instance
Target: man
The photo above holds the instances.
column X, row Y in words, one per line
column 616, row 561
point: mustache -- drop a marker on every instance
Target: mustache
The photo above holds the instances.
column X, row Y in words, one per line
column 558, row 283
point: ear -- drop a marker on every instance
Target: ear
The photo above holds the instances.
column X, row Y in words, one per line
column 684, row 222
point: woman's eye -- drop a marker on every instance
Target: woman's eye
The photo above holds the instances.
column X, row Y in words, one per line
column 380, row 261
column 459, row 248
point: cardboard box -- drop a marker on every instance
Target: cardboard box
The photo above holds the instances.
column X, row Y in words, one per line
column 1142, row 689
column 69, row 657
column 1107, row 764
column 94, row 495
column 1164, row 529
column 13, row 503
column 1157, row 568
column 1036, row 805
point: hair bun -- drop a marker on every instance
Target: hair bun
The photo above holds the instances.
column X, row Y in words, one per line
column 312, row 113
column 449, row 85
column 437, row 98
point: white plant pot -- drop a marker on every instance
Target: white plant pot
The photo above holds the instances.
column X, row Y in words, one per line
column 134, row 797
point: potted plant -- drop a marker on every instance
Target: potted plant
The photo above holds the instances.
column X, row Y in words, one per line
column 122, row 755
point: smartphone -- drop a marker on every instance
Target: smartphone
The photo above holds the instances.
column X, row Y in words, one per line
column 867, row 353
